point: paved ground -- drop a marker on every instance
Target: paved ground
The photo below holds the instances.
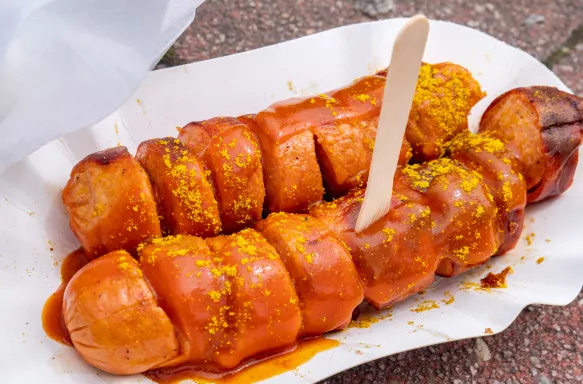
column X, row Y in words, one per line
column 545, row 344
column 550, row 30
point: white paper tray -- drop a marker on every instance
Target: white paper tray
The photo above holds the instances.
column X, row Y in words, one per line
column 33, row 219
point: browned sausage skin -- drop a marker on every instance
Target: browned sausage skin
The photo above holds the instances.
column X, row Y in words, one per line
column 395, row 256
column 544, row 128
column 185, row 197
column 463, row 212
column 180, row 271
column 110, row 202
column 231, row 152
column 262, row 312
column 113, row 317
column 501, row 171
column 445, row 94
column 321, row 269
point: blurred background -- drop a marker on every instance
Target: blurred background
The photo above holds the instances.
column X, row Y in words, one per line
column 545, row 344
column 550, row 30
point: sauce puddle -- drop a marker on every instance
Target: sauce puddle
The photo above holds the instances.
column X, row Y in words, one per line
column 254, row 371
column 251, row 373
column 495, row 280
column 52, row 315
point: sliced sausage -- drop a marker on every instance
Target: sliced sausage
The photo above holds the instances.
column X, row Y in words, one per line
column 113, row 318
column 190, row 287
column 395, row 256
column 445, row 94
column 231, row 152
column 463, row 213
column 263, row 313
column 344, row 152
column 501, row 171
column 286, row 130
column 110, row 203
column 185, row 197
column 321, row 269
column 544, row 128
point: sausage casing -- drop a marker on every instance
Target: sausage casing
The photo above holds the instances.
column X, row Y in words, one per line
column 444, row 96
column 463, row 213
column 321, row 269
column 262, row 312
column 395, row 256
column 231, row 152
column 544, row 128
column 188, row 283
column 110, row 202
column 185, row 197
column 501, row 171
column 113, row 318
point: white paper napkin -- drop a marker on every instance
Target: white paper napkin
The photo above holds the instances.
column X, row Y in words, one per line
column 67, row 64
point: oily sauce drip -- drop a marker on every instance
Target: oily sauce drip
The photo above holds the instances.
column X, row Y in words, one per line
column 52, row 315
column 250, row 373
column 495, row 280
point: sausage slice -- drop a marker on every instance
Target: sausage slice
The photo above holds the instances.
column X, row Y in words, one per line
column 113, row 318
column 321, row 269
column 231, row 152
column 544, row 128
column 395, row 256
column 262, row 312
column 185, row 197
column 110, row 203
